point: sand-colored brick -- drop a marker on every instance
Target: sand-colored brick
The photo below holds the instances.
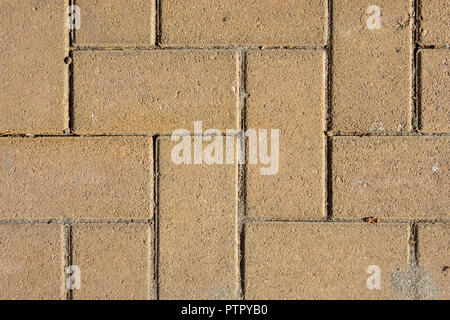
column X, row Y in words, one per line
column 391, row 177
column 435, row 22
column 286, row 91
column 33, row 75
column 322, row 260
column 251, row 23
column 31, row 261
column 435, row 98
column 115, row 261
column 154, row 91
column 116, row 23
column 434, row 258
column 76, row 177
column 371, row 89
column 197, row 229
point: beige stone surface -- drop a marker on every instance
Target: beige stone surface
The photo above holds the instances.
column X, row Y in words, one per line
column 31, row 262
column 391, row 177
column 363, row 155
column 197, row 229
column 286, row 91
column 434, row 258
column 116, row 23
column 251, row 23
column 76, row 177
column 435, row 22
column 115, row 261
column 155, row 91
column 322, row 260
column 33, row 75
column 371, row 72
column 435, row 99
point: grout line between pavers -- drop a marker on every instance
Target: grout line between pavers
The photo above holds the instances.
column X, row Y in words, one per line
column 413, row 263
column 155, row 287
column 346, row 220
column 247, row 220
column 75, row 221
column 158, row 25
column 149, row 135
column 415, row 69
column 68, row 232
column 159, row 47
column 328, row 193
column 241, row 177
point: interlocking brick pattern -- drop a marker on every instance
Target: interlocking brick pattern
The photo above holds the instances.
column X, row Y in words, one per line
column 358, row 90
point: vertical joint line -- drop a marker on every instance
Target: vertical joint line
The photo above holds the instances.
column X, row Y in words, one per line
column 69, row 62
column 416, row 115
column 70, row 94
column 69, row 257
column 155, row 286
column 328, row 115
column 157, row 25
column 413, row 256
column 242, row 171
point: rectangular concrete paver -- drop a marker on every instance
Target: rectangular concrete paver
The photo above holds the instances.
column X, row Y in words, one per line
column 371, row 71
column 31, row 262
column 251, row 23
column 197, row 229
column 116, row 23
column 93, row 178
column 391, row 177
column 286, row 92
column 434, row 93
column 434, row 260
column 435, row 22
column 155, row 91
column 33, row 75
column 323, row 260
column 115, row 261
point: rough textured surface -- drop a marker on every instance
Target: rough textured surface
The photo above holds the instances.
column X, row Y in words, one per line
column 371, row 89
column 434, row 257
column 286, row 92
column 197, row 250
column 154, row 91
column 115, row 261
column 322, row 260
column 435, row 99
column 364, row 137
column 391, row 177
column 435, row 22
column 116, row 22
column 252, row 23
column 93, row 178
column 32, row 70
column 31, row 262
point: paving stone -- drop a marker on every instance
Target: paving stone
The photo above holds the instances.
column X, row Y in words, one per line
column 116, row 23
column 371, row 72
column 322, row 260
column 31, row 262
column 286, row 92
column 76, row 177
column 155, row 91
column 434, row 22
column 115, row 261
column 434, row 259
column 251, row 23
column 390, row 177
column 435, row 101
column 33, row 77
column 197, row 229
